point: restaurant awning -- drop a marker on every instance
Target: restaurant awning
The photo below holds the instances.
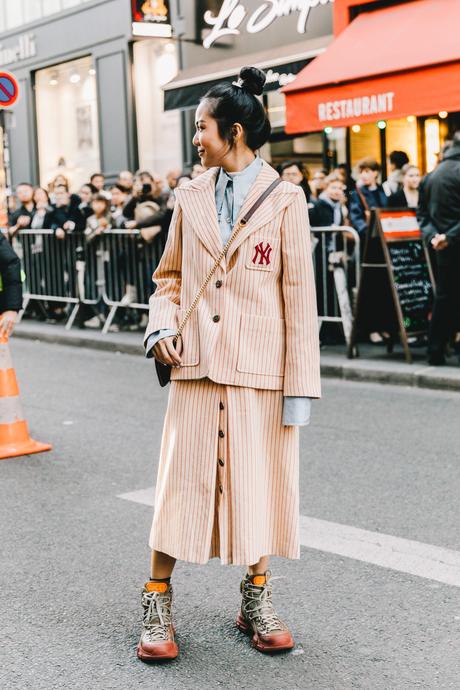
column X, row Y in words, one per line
column 281, row 65
column 388, row 63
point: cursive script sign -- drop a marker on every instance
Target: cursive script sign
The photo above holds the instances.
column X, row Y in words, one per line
column 233, row 13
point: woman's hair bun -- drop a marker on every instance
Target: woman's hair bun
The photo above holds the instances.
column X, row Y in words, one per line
column 253, row 80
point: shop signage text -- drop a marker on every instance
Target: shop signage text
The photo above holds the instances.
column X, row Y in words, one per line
column 25, row 48
column 233, row 13
column 374, row 104
column 279, row 78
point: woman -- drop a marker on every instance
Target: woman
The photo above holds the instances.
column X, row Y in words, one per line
column 407, row 197
column 228, row 475
column 297, row 173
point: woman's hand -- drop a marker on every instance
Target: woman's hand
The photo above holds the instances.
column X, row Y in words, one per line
column 165, row 352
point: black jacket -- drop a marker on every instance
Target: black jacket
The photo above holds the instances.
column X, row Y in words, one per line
column 398, row 200
column 21, row 211
column 322, row 214
column 62, row 214
column 10, row 271
column 439, row 205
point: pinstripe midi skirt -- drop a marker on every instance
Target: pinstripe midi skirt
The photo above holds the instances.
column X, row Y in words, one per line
column 228, row 476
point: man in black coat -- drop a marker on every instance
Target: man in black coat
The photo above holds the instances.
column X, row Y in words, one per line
column 439, row 218
column 66, row 216
column 11, row 289
column 22, row 216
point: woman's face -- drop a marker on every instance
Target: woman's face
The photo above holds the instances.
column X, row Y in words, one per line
column 292, row 174
column 368, row 177
column 85, row 193
column 412, row 178
column 98, row 207
column 40, row 198
column 211, row 148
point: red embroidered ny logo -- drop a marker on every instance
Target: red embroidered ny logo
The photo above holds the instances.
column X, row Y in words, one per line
column 263, row 254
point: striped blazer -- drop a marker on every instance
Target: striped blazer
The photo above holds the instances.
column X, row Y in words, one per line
column 256, row 323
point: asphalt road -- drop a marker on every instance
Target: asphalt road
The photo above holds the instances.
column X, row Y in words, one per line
column 74, row 555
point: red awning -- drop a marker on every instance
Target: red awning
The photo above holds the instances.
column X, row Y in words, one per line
column 388, row 63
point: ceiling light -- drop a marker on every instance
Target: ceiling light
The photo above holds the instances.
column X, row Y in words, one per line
column 74, row 78
column 53, row 81
column 411, row 118
column 328, row 130
column 356, row 128
column 443, row 114
column 381, row 124
column 92, row 71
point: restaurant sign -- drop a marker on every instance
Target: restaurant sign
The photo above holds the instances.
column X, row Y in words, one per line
column 233, row 14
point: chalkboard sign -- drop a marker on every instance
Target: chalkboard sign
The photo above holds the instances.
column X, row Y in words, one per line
column 413, row 283
column 395, row 294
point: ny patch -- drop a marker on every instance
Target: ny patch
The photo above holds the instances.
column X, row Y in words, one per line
column 262, row 254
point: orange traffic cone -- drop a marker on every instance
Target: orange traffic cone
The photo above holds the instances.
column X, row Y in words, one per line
column 14, row 433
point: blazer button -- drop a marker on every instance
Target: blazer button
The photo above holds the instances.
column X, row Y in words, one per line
column 221, row 488
column 216, row 318
column 221, row 405
column 221, row 433
column 221, row 462
column 218, row 283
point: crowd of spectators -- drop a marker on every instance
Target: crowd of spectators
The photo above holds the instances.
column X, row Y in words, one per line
column 141, row 201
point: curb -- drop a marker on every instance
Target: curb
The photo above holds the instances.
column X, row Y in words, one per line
column 360, row 370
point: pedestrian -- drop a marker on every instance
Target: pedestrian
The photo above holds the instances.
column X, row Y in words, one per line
column 100, row 220
column 126, row 180
column 397, row 160
column 329, row 208
column 119, row 195
column 368, row 194
column 86, row 194
column 408, row 195
column 21, row 217
column 171, row 178
column 66, row 216
column 11, row 287
column 296, row 172
column 318, row 182
column 439, row 221
column 244, row 371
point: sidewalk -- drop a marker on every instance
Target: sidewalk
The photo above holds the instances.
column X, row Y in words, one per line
column 373, row 364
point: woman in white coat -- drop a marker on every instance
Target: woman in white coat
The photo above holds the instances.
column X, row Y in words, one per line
column 243, row 374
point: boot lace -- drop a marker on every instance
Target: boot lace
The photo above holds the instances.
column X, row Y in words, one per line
column 157, row 615
column 258, row 607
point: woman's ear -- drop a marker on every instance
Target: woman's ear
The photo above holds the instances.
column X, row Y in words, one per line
column 237, row 132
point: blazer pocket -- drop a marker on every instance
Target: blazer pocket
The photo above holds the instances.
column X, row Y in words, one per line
column 190, row 339
column 262, row 253
column 262, row 345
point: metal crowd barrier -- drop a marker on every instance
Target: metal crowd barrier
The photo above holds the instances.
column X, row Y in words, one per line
column 337, row 265
column 111, row 271
column 114, row 271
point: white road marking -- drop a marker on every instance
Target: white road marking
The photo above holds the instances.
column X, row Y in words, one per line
column 403, row 555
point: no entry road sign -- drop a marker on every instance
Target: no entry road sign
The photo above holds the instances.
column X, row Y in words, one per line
column 9, row 89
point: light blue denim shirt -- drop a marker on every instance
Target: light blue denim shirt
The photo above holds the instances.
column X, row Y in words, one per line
column 231, row 191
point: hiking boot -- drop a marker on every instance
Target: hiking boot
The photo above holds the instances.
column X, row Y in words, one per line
column 258, row 617
column 157, row 641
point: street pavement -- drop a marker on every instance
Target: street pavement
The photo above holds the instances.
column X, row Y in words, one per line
column 379, row 497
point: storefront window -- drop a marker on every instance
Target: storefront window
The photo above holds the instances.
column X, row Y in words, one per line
column 432, row 143
column 401, row 135
column 67, row 121
column 364, row 143
column 155, row 63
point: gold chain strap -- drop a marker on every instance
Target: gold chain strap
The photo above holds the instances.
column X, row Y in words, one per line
column 208, row 278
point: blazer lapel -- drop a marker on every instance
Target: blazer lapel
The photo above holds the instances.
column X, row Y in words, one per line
column 198, row 202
